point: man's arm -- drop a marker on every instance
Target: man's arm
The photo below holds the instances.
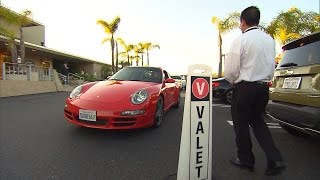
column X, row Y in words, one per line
column 232, row 62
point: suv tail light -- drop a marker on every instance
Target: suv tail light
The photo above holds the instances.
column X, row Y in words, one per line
column 215, row 84
column 270, row 83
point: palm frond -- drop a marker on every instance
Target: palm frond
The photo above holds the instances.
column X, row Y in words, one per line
column 156, row 46
column 105, row 40
column 105, row 25
column 227, row 24
column 115, row 24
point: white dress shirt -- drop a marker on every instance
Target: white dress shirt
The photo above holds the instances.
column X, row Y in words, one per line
column 251, row 57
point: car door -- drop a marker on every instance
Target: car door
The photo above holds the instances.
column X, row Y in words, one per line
column 168, row 89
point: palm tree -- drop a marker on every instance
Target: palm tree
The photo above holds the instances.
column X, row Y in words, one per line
column 225, row 25
column 110, row 28
column 131, row 59
column 137, row 51
column 137, row 57
column 148, row 47
column 141, row 48
column 127, row 48
column 292, row 24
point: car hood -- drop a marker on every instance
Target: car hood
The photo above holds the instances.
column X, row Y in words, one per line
column 115, row 91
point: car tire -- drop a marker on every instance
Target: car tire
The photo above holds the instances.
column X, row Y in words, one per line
column 178, row 103
column 291, row 130
column 159, row 115
column 228, row 96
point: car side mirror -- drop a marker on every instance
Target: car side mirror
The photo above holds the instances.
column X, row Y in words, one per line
column 169, row 80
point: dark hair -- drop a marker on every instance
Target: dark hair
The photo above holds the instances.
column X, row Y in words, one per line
column 251, row 15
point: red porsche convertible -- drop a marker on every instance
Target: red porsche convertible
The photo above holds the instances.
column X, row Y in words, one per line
column 134, row 97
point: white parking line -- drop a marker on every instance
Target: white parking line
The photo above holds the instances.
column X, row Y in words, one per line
column 270, row 125
column 220, row 105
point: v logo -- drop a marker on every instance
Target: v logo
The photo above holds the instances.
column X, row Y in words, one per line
column 200, row 89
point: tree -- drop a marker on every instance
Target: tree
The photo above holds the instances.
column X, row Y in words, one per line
column 123, row 63
column 225, row 25
column 141, row 48
column 23, row 20
column 136, row 54
column 110, row 28
column 292, row 24
column 20, row 20
column 137, row 57
column 282, row 36
column 148, row 47
column 127, row 48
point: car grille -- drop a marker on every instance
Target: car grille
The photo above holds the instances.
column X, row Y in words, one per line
column 121, row 122
column 68, row 114
column 98, row 122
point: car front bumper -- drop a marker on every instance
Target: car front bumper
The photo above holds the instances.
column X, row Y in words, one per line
column 108, row 118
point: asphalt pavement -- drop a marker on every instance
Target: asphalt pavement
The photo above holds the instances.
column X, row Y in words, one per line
column 36, row 142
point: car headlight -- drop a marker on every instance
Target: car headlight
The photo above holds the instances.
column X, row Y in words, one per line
column 139, row 97
column 76, row 92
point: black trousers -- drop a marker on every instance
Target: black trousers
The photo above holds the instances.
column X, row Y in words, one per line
column 248, row 108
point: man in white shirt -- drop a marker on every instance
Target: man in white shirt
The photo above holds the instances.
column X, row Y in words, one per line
column 250, row 65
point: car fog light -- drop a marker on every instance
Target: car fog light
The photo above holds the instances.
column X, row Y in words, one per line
column 132, row 113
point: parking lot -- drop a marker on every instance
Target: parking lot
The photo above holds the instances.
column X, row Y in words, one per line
column 36, row 142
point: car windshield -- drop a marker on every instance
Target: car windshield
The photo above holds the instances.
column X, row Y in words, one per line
column 305, row 55
column 146, row 74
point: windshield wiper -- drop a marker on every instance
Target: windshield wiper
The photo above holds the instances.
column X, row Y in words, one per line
column 289, row 64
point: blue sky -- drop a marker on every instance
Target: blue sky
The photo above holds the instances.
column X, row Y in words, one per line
column 182, row 28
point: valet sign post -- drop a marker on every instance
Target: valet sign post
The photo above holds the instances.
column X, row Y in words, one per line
column 195, row 157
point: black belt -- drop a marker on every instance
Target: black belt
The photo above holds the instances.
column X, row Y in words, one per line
column 259, row 82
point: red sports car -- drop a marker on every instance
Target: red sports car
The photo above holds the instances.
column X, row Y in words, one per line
column 134, row 97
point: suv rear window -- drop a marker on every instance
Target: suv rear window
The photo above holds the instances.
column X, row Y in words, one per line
column 305, row 55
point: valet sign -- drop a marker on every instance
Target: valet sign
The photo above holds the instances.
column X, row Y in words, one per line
column 195, row 156
column 199, row 127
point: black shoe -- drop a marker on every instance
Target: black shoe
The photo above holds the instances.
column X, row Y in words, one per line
column 275, row 169
column 236, row 161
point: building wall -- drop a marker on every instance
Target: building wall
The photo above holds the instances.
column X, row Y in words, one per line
column 38, row 61
column 16, row 88
column 34, row 35
column 97, row 71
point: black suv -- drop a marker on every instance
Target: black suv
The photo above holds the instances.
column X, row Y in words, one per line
column 295, row 93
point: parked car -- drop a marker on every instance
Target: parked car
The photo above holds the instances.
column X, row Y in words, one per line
column 295, row 93
column 222, row 89
column 134, row 97
column 181, row 81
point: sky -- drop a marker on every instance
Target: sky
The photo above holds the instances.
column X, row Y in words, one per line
column 182, row 28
